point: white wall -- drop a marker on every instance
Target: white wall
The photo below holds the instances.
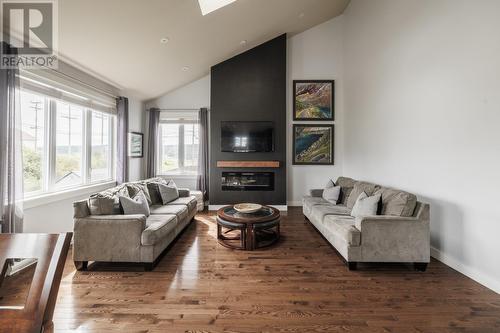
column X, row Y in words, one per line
column 136, row 121
column 315, row 54
column 195, row 95
column 422, row 94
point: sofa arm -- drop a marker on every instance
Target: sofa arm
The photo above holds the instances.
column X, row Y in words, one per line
column 183, row 192
column 317, row 192
column 394, row 239
column 108, row 237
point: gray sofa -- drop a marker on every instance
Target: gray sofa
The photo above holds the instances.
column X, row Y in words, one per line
column 399, row 233
column 103, row 233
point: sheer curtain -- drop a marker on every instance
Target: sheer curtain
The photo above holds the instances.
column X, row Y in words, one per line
column 11, row 169
column 122, row 140
column 202, row 182
column 152, row 160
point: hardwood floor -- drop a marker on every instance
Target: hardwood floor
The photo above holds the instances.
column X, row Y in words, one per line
column 299, row 285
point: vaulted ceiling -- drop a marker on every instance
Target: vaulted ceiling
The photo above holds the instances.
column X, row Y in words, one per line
column 120, row 40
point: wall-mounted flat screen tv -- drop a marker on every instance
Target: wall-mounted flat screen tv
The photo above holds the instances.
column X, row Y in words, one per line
column 247, row 136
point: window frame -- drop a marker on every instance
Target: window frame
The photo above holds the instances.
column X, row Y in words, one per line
column 181, row 147
column 49, row 186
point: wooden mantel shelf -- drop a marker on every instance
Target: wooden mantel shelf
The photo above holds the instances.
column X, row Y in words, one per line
column 248, row 164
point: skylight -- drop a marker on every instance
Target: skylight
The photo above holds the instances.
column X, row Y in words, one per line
column 208, row 6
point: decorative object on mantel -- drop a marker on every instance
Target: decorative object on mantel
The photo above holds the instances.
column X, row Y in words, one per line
column 247, row 208
column 313, row 144
column 248, row 164
column 313, row 100
column 135, row 144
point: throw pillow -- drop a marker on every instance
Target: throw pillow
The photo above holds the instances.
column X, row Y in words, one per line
column 154, row 193
column 331, row 194
column 168, row 193
column 135, row 188
column 365, row 205
column 136, row 205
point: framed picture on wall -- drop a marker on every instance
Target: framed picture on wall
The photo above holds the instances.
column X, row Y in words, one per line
column 314, row 100
column 135, row 144
column 313, row 144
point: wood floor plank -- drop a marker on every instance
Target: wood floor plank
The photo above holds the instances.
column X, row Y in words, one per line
column 298, row 285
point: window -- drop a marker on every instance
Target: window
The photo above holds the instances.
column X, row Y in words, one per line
column 179, row 144
column 100, row 166
column 34, row 145
column 64, row 145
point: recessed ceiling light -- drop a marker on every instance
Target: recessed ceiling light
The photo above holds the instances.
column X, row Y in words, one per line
column 164, row 40
column 208, row 6
column 185, row 68
column 243, row 42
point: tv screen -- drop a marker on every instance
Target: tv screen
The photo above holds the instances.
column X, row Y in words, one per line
column 247, row 136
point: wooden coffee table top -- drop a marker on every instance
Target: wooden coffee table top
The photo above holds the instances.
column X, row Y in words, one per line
column 266, row 214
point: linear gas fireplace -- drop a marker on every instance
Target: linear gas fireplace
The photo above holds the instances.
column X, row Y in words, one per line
column 248, row 181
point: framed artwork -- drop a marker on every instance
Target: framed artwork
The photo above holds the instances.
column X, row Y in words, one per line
column 313, row 100
column 313, row 144
column 135, row 144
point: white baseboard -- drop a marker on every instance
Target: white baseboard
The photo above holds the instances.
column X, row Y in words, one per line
column 294, row 203
column 470, row 272
column 282, row 208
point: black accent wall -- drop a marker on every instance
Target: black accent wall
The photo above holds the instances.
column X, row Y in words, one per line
column 250, row 87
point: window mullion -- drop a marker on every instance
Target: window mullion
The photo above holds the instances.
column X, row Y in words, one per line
column 181, row 147
column 51, row 162
column 86, row 145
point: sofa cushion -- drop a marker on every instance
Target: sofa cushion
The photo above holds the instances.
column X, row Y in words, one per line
column 107, row 202
column 360, row 187
column 190, row 202
column 396, row 202
column 136, row 187
column 180, row 211
column 318, row 212
column 157, row 227
column 346, row 185
column 136, row 205
column 309, row 201
column 344, row 227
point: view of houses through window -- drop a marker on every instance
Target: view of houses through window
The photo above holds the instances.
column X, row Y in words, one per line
column 64, row 145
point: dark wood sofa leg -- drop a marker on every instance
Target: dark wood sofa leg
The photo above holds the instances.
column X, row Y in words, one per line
column 148, row 267
column 352, row 265
column 420, row 266
column 81, row 265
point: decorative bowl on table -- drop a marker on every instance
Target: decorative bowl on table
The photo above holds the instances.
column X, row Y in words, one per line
column 247, row 208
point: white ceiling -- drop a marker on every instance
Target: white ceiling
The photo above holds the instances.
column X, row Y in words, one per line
column 120, row 39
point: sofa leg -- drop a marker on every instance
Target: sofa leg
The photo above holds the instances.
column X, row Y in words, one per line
column 81, row 265
column 352, row 265
column 148, row 267
column 420, row 266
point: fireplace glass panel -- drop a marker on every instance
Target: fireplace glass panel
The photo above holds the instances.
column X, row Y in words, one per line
column 248, row 181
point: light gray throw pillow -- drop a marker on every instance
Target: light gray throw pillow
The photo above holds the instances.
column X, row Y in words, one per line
column 365, row 205
column 136, row 205
column 331, row 194
column 168, row 193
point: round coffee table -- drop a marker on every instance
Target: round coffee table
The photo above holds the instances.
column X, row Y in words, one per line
column 254, row 230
